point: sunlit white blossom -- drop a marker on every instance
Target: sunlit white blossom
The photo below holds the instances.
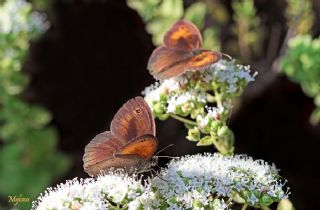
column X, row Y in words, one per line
column 190, row 182
column 185, row 101
column 100, row 193
column 196, row 178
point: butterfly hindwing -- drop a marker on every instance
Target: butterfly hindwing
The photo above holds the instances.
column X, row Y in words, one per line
column 144, row 146
column 203, row 60
column 163, row 60
column 99, row 153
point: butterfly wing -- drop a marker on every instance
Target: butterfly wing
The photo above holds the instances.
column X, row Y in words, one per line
column 183, row 36
column 133, row 119
column 143, row 146
column 203, row 60
column 99, row 154
column 133, row 127
column 165, row 63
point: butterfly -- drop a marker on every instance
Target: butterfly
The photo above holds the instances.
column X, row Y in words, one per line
column 130, row 144
column 181, row 52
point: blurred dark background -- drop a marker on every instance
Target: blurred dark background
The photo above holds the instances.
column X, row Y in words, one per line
column 93, row 59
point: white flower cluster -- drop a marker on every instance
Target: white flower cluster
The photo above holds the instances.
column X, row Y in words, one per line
column 191, row 182
column 213, row 114
column 224, row 71
column 182, row 94
column 229, row 72
column 199, row 180
column 113, row 188
column 13, row 18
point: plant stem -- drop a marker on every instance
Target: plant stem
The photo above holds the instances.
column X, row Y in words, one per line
column 217, row 95
column 184, row 120
column 244, row 207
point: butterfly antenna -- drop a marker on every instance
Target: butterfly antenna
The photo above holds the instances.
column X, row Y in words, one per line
column 226, row 55
column 170, row 145
column 168, row 157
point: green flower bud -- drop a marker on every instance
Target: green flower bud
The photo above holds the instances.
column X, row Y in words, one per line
column 236, row 197
column 158, row 108
column 194, row 134
column 196, row 112
column 205, row 141
column 187, row 107
column 223, row 131
column 197, row 204
column 266, row 200
column 215, row 125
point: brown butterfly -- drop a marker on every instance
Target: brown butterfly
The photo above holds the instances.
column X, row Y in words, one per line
column 130, row 143
column 181, row 52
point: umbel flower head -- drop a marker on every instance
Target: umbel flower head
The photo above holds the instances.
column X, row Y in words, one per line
column 213, row 181
column 191, row 182
column 110, row 190
column 204, row 96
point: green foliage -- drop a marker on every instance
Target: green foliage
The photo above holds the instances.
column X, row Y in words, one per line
column 28, row 160
column 302, row 65
column 300, row 15
column 247, row 28
column 160, row 14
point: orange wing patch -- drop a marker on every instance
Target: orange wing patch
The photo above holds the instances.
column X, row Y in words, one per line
column 144, row 147
column 181, row 33
column 183, row 36
column 203, row 60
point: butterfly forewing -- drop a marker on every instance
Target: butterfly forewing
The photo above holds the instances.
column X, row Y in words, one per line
column 183, row 36
column 133, row 119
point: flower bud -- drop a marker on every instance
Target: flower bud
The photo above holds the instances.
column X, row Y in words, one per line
column 223, row 131
column 158, row 108
column 194, row 134
column 215, row 125
column 205, row 141
column 266, row 200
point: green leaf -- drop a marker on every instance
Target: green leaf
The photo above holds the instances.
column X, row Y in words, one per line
column 196, row 13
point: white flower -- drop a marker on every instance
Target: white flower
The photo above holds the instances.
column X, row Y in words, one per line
column 198, row 177
column 185, row 101
column 90, row 193
column 229, row 72
column 191, row 182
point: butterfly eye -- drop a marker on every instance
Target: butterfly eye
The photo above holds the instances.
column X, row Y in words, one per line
column 138, row 111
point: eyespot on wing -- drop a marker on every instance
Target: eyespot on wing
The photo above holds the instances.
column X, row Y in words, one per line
column 133, row 119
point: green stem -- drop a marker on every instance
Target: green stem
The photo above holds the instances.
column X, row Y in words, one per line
column 217, row 95
column 244, row 207
column 184, row 120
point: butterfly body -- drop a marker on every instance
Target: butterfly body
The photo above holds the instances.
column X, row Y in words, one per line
column 181, row 51
column 130, row 143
